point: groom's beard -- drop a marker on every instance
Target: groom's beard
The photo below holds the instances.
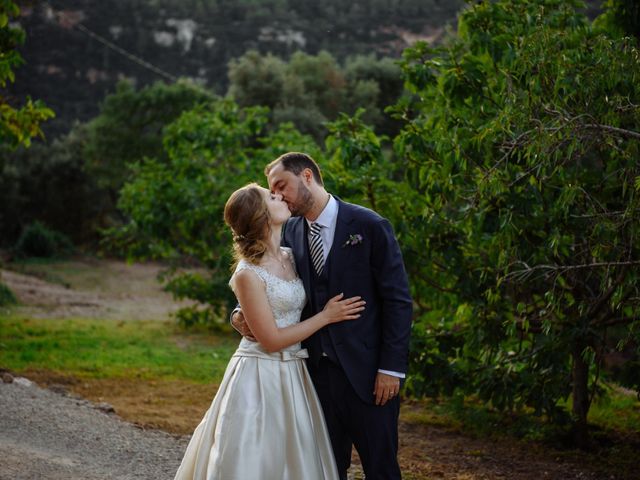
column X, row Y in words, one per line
column 303, row 202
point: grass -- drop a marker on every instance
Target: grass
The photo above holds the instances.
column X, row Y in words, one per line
column 152, row 373
column 152, row 351
column 618, row 410
column 612, row 419
column 90, row 348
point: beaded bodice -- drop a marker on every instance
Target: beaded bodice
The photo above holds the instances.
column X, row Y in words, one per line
column 286, row 297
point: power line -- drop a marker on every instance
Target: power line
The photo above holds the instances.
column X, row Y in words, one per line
column 116, row 48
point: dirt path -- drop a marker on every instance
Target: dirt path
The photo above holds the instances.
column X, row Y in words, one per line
column 54, row 435
column 49, row 436
column 91, row 288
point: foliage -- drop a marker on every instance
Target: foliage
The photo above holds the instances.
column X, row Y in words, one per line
column 6, row 296
column 39, row 241
column 622, row 17
column 512, row 186
column 176, row 207
column 256, row 80
column 374, row 84
column 17, row 125
column 310, row 90
column 72, row 183
column 49, row 183
column 130, row 126
column 518, row 209
column 523, row 146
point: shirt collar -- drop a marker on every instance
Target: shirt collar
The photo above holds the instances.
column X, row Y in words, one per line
column 328, row 216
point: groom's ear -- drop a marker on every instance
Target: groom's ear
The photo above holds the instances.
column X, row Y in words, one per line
column 307, row 176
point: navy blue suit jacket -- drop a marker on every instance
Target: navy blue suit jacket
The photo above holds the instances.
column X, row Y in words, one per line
column 372, row 269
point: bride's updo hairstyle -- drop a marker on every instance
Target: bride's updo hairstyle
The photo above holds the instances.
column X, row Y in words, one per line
column 246, row 214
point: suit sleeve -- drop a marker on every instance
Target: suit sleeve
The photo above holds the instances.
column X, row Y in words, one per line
column 393, row 290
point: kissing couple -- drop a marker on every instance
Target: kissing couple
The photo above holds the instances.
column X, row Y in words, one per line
column 325, row 313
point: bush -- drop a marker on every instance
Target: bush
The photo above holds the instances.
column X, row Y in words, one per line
column 49, row 183
column 6, row 296
column 39, row 241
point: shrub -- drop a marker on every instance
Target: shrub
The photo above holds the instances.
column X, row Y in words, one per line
column 39, row 241
column 6, row 296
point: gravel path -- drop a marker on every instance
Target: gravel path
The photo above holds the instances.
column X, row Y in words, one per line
column 49, row 436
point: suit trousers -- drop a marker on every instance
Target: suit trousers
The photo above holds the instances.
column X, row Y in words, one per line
column 372, row 429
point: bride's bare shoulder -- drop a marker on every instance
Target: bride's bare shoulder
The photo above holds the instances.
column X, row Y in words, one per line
column 245, row 277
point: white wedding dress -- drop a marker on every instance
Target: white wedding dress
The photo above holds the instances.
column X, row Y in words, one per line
column 265, row 422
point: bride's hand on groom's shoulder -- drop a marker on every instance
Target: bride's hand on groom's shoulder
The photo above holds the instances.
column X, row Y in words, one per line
column 240, row 325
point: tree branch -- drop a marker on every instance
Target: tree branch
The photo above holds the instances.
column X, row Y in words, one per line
column 565, row 268
column 618, row 321
column 610, row 129
column 602, row 301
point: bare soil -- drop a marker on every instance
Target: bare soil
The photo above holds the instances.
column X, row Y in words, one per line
column 91, row 288
column 111, row 289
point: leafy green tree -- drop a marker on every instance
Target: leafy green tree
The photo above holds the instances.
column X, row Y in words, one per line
column 176, row 206
column 514, row 193
column 17, row 125
column 323, row 81
column 72, row 183
column 374, row 84
column 523, row 143
column 310, row 90
column 257, row 80
column 622, row 15
column 130, row 126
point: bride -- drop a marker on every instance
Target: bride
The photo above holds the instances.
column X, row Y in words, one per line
column 265, row 421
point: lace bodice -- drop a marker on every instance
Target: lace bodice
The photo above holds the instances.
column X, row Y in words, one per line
column 286, row 297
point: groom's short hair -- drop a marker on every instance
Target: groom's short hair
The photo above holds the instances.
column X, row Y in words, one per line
column 296, row 162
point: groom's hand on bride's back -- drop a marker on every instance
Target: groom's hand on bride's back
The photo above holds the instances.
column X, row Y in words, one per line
column 239, row 323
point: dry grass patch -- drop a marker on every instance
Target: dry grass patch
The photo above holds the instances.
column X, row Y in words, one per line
column 174, row 406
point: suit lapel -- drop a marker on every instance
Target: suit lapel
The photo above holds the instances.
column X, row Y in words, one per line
column 300, row 253
column 337, row 254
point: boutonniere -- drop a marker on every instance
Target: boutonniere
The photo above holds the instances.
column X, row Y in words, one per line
column 354, row 239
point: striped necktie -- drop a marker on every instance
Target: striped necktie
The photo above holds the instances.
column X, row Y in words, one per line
column 316, row 250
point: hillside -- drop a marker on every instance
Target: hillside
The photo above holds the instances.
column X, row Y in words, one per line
column 76, row 50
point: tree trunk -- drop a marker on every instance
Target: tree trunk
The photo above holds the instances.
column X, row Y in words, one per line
column 580, row 395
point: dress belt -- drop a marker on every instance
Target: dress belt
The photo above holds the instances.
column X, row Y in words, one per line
column 282, row 356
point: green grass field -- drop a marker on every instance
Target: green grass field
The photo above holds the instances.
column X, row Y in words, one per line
column 92, row 348
column 152, row 350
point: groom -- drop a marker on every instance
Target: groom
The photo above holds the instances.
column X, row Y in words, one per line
column 356, row 366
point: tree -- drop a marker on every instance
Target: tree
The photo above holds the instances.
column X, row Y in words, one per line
column 523, row 142
column 71, row 184
column 49, row 183
column 18, row 125
column 311, row 90
column 623, row 15
column 382, row 80
column 130, row 127
column 513, row 189
column 176, row 206
column 256, row 80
